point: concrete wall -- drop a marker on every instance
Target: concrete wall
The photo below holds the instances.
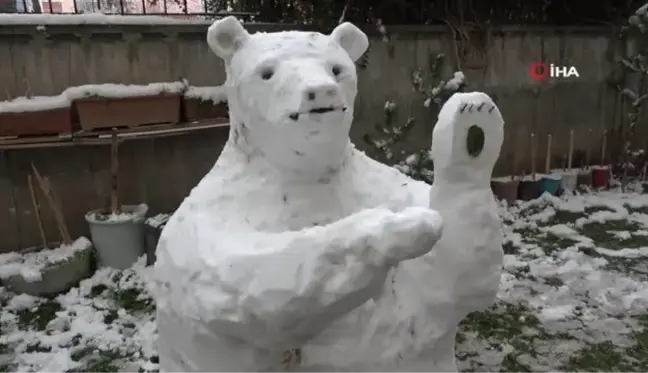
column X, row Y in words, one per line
column 46, row 60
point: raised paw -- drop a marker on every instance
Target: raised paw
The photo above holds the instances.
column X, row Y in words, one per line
column 469, row 133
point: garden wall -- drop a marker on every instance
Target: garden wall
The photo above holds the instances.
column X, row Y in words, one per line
column 44, row 60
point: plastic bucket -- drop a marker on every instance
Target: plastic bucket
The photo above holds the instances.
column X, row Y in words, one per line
column 528, row 190
column 505, row 190
column 119, row 241
column 584, row 178
column 569, row 179
column 600, row 177
column 550, row 184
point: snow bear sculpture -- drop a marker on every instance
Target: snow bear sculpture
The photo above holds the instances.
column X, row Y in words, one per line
column 296, row 252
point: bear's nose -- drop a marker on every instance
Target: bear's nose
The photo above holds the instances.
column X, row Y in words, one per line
column 320, row 91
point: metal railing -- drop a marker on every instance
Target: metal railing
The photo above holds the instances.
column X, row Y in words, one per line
column 180, row 8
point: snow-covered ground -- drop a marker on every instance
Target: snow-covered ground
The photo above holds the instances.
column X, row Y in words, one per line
column 574, row 297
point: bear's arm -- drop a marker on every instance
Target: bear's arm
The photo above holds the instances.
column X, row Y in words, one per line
column 272, row 290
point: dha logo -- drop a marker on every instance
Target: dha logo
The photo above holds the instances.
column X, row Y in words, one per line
column 542, row 71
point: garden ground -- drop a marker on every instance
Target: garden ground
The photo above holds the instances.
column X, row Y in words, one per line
column 573, row 297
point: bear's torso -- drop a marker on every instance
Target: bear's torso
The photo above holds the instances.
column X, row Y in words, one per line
column 394, row 331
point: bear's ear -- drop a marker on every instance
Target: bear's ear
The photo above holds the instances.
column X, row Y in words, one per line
column 226, row 36
column 352, row 39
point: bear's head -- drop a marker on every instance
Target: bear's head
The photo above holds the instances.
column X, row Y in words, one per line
column 291, row 93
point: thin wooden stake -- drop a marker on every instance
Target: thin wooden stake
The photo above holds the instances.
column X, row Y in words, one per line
column 515, row 158
column 603, row 146
column 115, row 205
column 548, row 155
column 533, row 155
column 36, row 208
column 588, row 151
column 570, row 152
column 55, row 205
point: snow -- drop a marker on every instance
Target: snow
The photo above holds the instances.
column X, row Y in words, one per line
column 231, row 260
column 36, row 103
column 128, row 213
column 556, row 301
column 157, row 220
column 65, row 99
column 30, row 265
column 105, row 318
column 93, row 19
column 215, row 94
column 466, row 267
column 457, row 80
column 122, row 90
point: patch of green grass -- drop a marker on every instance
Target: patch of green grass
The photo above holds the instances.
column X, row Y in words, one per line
column 529, row 234
column 93, row 359
column 510, row 364
column 569, row 217
column 504, row 323
column 601, row 357
column 509, row 248
column 603, row 233
column 40, row 316
column 98, row 290
column 133, row 300
column 550, row 242
column 638, row 354
column 638, row 210
column 37, row 347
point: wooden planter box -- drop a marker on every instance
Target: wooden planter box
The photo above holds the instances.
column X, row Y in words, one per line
column 102, row 113
column 36, row 123
column 196, row 110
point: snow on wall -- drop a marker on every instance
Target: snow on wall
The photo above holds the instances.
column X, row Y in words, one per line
column 215, row 94
column 39, row 103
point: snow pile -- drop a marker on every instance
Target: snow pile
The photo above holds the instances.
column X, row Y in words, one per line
column 216, row 94
column 103, row 325
column 36, row 103
column 158, row 220
column 30, row 266
column 575, row 278
column 122, row 90
column 65, row 99
column 558, row 298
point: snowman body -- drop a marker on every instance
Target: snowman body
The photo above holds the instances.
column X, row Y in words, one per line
column 297, row 252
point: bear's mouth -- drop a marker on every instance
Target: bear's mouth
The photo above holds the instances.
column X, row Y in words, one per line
column 319, row 110
column 322, row 110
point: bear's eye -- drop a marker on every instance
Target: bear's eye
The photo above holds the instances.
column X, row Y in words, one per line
column 337, row 70
column 266, row 74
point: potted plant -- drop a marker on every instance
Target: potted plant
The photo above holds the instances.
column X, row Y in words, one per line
column 205, row 103
column 153, row 227
column 549, row 182
column 568, row 175
column 35, row 116
column 117, row 232
column 112, row 105
column 506, row 188
column 48, row 269
column 43, row 271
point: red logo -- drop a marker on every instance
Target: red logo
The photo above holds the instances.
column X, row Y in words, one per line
column 539, row 71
